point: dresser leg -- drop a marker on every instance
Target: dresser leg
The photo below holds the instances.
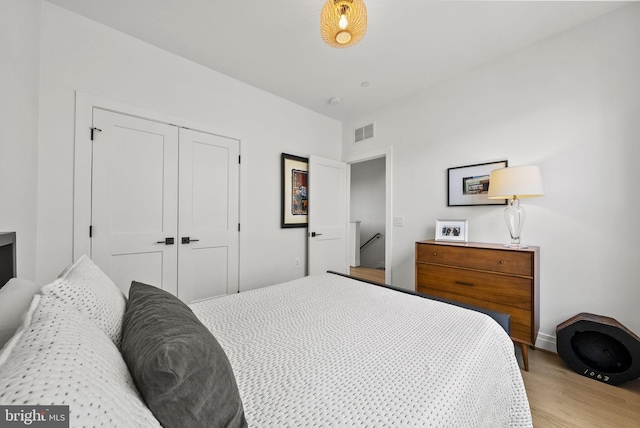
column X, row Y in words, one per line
column 525, row 355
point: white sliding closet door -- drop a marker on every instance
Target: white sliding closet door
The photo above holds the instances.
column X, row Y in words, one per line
column 165, row 206
column 134, row 208
column 208, row 220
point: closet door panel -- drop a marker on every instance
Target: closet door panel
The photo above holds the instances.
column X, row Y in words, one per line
column 209, row 272
column 133, row 203
column 208, row 216
column 138, row 181
column 141, row 267
column 210, row 187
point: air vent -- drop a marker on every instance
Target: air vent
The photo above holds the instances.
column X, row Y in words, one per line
column 364, row 133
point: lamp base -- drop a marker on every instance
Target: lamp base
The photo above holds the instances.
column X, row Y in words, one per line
column 516, row 246
column 514, row 215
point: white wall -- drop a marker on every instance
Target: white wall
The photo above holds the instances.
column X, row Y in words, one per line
column 78, row 54
column 570, row 104
column 19, row 49
column 368, row 206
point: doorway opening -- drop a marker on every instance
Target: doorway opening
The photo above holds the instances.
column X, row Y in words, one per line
column 370, row 216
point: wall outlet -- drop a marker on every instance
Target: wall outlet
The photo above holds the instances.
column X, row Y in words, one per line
column 296, row 262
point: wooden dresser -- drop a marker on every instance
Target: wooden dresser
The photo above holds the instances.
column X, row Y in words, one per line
column 485, row 275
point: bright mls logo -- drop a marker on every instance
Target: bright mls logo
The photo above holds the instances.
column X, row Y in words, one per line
column 34, row 416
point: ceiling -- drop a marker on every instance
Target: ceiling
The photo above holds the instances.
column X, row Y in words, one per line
column 275, row 45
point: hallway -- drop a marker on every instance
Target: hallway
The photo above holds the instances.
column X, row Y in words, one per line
column 375, row 275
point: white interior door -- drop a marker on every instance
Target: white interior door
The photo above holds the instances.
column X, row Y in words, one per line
column 208, row 218
column 327, row 215
column 134, row 207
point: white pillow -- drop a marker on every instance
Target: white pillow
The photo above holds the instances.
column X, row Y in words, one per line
column 92, row 292
column 58, row 357
column 15, row 298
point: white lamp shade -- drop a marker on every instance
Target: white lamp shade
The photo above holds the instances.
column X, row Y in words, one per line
column 515, row 182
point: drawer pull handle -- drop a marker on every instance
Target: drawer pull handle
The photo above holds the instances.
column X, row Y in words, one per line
column 468, row 284
column 501, row 261
column 435, row 254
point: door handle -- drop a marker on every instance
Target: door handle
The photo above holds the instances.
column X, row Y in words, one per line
column 468, row 284
column 187, row 240
column 167, row 241
column 313, row 234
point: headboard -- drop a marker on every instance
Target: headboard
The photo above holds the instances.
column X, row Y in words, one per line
column 7, row 257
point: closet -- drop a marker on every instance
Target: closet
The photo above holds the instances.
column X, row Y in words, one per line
column 164, row 206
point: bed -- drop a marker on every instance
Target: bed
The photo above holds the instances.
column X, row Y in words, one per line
column 324, row 350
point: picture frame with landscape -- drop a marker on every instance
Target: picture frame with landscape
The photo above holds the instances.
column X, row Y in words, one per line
column 469, row 185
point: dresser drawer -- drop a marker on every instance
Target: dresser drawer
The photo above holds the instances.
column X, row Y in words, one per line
column 483, row 286
column 504, row 261
column 488, row 276
column 520, row 321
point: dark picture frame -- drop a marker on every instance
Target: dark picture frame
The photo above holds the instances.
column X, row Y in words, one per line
column 295, row 188
column 469, row 185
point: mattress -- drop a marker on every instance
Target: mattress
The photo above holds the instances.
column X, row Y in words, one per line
column 331, row 351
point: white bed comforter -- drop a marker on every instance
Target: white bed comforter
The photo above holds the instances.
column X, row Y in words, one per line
column 328, row 351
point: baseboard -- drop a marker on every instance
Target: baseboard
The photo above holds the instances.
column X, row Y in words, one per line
column 546, row 342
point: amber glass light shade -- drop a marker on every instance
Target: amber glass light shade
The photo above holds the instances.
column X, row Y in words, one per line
column 343, row 23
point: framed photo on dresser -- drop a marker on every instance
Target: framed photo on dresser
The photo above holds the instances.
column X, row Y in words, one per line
column 452, row 230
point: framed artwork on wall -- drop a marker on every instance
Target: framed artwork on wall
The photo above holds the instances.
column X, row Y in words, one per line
column 452, row 230
column 295, row 187
column 469, row 185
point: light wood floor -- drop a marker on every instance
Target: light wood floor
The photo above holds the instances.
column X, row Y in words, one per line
column 376, row 275
column 559, row 397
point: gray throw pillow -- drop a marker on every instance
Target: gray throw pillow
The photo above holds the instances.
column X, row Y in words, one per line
column 180, row 369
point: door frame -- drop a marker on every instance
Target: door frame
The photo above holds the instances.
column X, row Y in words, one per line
column 387, row 154
column 85, row 103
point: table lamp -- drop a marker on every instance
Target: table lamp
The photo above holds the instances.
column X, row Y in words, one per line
column 515, row 183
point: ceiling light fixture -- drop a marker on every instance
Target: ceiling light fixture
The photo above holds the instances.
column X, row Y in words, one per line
column 343, row 23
